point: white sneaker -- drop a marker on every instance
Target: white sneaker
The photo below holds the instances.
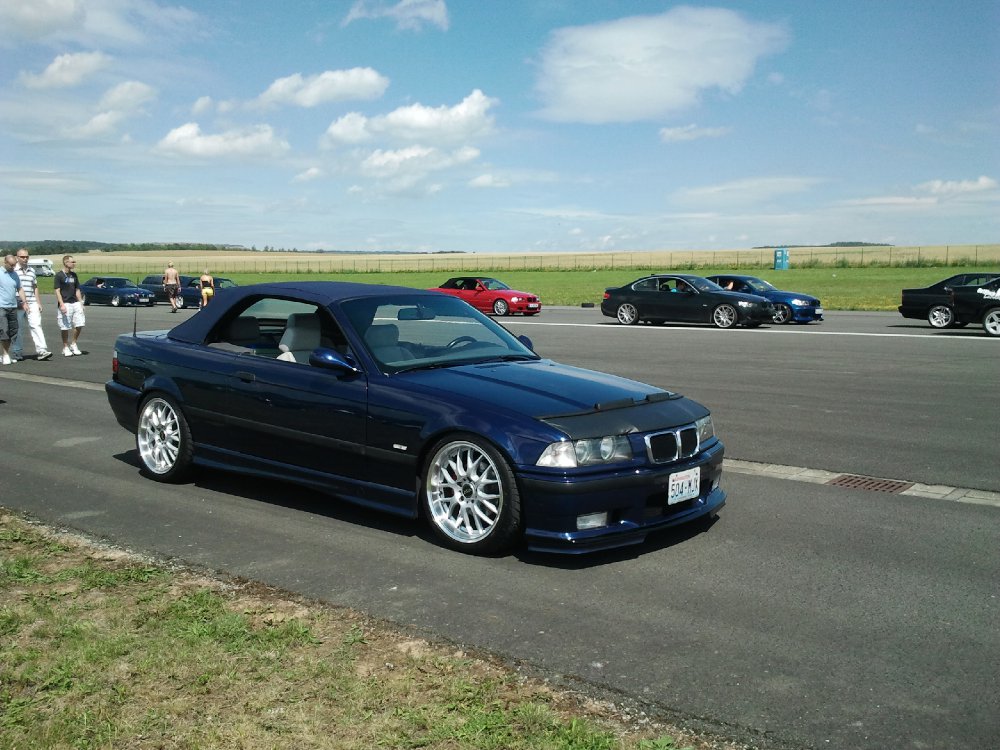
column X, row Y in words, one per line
column 7, row 360
column 75, row 349
column 67, row 352
column 44, row 354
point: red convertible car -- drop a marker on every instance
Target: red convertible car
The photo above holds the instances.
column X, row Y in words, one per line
column 491, row 296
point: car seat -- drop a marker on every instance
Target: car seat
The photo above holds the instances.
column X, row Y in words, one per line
column 383, row 341
column 301, row 337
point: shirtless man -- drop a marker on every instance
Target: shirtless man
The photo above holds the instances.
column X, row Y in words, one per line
column 171, row 285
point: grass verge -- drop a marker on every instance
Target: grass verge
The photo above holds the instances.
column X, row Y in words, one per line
column 100, row 648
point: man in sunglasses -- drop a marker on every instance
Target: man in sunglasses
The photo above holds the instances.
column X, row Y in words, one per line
column 29, row 317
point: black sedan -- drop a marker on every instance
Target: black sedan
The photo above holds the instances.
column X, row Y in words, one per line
column 933, row 303
column 977, row 303
column 115, row 291
column 415, row 403
column 682, row 298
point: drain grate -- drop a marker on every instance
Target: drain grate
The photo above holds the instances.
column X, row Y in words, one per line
column 855, row 482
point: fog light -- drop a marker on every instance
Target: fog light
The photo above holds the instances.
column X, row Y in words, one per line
column 592, row 521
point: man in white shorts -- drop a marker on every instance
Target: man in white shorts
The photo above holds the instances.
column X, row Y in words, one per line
column 69, row 300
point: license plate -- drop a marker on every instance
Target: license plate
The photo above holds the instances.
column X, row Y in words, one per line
column 819, row 310
column 683, row 486
column 532, row 305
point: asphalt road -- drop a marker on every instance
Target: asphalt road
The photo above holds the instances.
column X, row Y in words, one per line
column 807, row 616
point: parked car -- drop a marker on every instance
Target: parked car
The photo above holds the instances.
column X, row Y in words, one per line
column 491, row 296
column 788, row 306
column 415, row 403
column 933, row 303
column 190, row 289
column 978, row 303
column 682, row 298
column 114, row 291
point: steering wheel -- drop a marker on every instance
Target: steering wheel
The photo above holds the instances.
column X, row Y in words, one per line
column 460, row 340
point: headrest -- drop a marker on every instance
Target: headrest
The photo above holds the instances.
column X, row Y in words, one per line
column 382, row 335
column 302, row 331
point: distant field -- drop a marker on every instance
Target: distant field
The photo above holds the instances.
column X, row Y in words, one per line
column 868, row 278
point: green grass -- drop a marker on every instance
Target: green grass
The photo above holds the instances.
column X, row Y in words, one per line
column 869, row 288
column 99, row 649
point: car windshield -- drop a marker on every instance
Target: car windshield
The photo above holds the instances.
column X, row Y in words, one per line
column 119, row 283
column 493, row 285
column 422, row 332
column 759, row 285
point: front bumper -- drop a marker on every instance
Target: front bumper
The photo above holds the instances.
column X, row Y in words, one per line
column 635, row 501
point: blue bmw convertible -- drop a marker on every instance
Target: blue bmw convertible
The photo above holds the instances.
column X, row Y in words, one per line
column 415, row 403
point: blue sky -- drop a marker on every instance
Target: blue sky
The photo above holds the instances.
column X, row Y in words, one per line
column 500, row 125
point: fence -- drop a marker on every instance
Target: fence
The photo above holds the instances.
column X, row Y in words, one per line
column 225, row 262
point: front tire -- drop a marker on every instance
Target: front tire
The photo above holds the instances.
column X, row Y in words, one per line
column 501, row 308
column 627, row 314
column 470, row 496
column 163, row 439
column 991, row 321
column 782, row 314
column 941, row 316
column 725, row 316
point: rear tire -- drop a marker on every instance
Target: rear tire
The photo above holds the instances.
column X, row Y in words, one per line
column 627, row 314
column 940, row 316
column 163, row 439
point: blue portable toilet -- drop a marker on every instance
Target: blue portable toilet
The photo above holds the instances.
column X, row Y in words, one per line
column 781, row 259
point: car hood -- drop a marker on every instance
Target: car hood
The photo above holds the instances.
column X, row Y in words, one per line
column 757, row 298
column 781, row 295
column 581, row 402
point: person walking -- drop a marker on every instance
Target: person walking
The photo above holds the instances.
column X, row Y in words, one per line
column 171, row 285
column 30, row 318
column 11, row 300
column 207, row 284
column 69, row 298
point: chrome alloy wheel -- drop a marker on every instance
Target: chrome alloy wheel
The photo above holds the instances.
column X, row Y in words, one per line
column 991, row 322
column 940, row 316
column 500, row 307
column 627, row 314
column 724, row 316
column 159, row 436
column 782, row 313
column 465, row 493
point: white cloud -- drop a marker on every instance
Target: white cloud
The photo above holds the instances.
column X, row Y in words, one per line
column 67, row 70
column 645, row 67
column 203, row 105
column 127, row 96
column 749, row 191
column 188, row 140
column 313, row 173
column 958, row 187
column 891, row 201
column 488, row 181
column 691, row 133
column 99, row 125
column 34, row 19
column 409, row 15
column 467, row 119
column 329, row 86
column 93, row 22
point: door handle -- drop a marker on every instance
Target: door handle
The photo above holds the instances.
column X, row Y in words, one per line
column 246, row 377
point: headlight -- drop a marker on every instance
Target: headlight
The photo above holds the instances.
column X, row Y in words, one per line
column 799, row 302
column 568, row 454
column 706, row 429
column 515, row 300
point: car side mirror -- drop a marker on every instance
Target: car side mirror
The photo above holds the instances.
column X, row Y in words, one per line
column 526, row 341
column 331, row 359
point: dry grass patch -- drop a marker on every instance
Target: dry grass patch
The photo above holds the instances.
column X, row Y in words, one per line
column 104, row 649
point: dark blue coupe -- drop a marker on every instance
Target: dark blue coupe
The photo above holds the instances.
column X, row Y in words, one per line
column 789, row 307
column 115, row 291
column 415, row 403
